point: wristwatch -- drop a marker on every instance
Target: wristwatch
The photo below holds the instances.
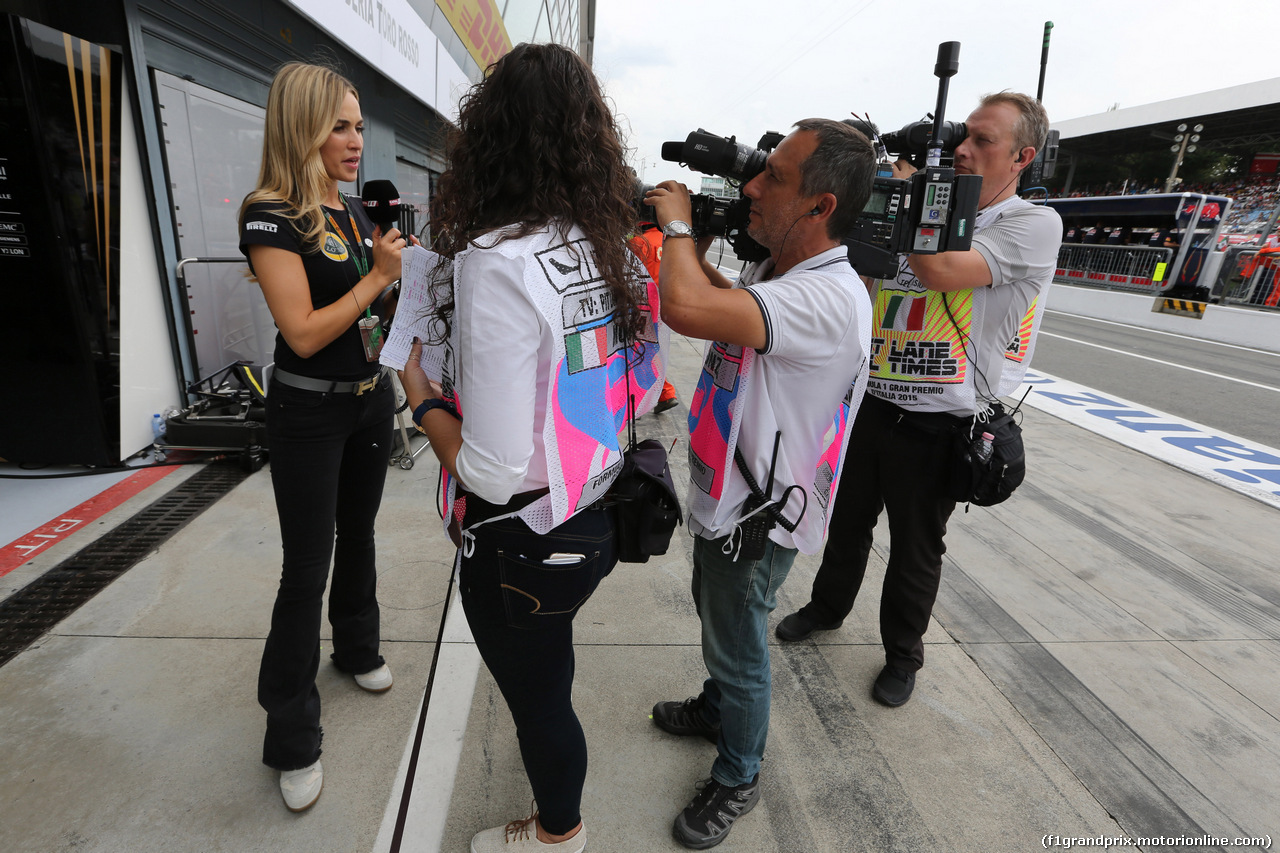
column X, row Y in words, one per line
column 677, row 228
column 429, row 404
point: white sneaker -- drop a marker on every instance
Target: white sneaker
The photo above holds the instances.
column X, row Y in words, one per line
column 301, row 788
column 521, row 836
column 376, row 680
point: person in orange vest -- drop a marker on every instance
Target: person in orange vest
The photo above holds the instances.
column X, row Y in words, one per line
column 647, row 244
column 1268, row 257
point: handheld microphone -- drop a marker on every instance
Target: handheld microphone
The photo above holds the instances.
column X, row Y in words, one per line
column 382, row 204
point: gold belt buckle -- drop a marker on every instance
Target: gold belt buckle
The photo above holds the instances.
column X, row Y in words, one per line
column 368, row 384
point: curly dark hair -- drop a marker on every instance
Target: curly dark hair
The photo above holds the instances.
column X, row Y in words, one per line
column 536, row 143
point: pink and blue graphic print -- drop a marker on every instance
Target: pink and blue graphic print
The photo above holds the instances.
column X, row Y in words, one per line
column 829, row 463
column 712, row 411
column 586, row 433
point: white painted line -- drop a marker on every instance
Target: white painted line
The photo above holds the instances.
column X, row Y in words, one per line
column 1242, row 465
column 441, row 750
column 1163, row 332
column 1162, row 361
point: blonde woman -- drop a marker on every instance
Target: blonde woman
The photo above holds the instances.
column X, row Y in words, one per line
column 321, row 265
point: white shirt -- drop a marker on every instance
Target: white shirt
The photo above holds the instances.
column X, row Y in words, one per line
column 818, row 327
column 502, row 340
column 946, row 352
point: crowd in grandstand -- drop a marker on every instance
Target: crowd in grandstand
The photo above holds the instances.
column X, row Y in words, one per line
column 1255, row 197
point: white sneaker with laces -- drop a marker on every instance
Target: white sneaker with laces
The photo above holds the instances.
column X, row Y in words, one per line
column 521, row 836
column 301, row 788
column 376, row 680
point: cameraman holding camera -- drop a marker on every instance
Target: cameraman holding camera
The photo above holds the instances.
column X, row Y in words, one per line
column 975, row 313
column 784, row 371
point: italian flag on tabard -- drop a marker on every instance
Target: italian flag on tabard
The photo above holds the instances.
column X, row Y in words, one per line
column 914, row 314
column 587, row 349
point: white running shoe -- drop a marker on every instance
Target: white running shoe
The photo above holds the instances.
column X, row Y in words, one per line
column 376, row 680
column 301, row 788
column 521, row 836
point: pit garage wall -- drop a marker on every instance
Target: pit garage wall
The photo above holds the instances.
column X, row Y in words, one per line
column 96, row 357
column 149, row 381
column 61, row 281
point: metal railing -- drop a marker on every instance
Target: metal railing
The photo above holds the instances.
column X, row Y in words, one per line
column 1136, row 269
column 1249, row 278
column 180, row 271
column 1232, row 277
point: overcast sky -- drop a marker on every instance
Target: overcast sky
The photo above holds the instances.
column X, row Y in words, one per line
column 741, row 67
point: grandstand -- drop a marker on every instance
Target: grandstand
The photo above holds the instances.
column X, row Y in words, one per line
column 1240, row 138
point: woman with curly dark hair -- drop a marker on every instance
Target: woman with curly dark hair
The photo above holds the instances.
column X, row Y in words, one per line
column 541, row 307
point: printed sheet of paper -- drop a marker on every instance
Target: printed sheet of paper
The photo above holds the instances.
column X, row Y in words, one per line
column 413, row 314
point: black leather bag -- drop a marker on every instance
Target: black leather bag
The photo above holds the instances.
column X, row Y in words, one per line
column 644, row 502
column 987, row 483
column 643, row 497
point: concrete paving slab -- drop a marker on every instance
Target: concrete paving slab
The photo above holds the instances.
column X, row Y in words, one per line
column 417, row 812
column 155, row 734
column 148, row 744
column 50, row 556
column 1112, row 552
column 1250, row 667
column 841, row 773
column 1152, row 726
column 222, row 581
column 1175, row 705
column 901, row 778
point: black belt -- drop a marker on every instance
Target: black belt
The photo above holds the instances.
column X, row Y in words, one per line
column 327, row 386
column 927, row 421
column 479, row 509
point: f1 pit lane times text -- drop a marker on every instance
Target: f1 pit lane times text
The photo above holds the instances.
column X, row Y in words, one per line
column 1198, row 842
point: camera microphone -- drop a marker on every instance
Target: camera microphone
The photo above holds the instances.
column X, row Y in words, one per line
column 382, row 204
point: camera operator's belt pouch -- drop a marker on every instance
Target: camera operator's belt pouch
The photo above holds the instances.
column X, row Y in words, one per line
column 327, row 386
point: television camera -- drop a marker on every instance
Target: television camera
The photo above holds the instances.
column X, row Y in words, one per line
column 931, row 211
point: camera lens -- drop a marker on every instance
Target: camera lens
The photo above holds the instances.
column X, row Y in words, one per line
column 717, row 155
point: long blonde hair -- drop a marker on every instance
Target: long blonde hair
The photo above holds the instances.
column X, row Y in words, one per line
column 302, row 109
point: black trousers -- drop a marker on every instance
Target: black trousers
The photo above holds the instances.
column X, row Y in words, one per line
column 329, row 455
column 520, row 609
column 897, row 462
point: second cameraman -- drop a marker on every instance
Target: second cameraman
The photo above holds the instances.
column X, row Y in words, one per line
column 953, row 333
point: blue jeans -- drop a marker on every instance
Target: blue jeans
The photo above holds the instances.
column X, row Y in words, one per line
column 734, row 600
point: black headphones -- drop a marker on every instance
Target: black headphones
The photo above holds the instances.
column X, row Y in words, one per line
column 815, row 211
